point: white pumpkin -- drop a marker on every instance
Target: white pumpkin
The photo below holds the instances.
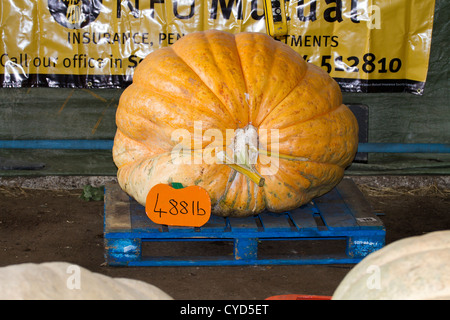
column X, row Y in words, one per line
column 415, row 268
column 64, row 281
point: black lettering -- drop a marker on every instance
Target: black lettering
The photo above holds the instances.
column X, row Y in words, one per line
column 171, row 37
column 134, row 10
column 86, row 38
column 316, row 41
column 326, row 63
column 134, row 61
column 337, row 11
column 203, row 212
column 296, row 41
column 136, row 38
column 226, row 9
column 89, row 63
column 395, row 65
column 3, row 62
column 334, row 41
column 354, row 11
column 152, row 7
column 307, row 40
column 354, row 66
column 254, row 8
column 170, row 41
column 44, row 63
column 154, row 209
column 93, row 38
column 184, row 209
column 174, row 204
column 66, row 62
column 382, row 62
column 145, row 38
column 24, row 61
column 162, row 37
column 117, row 62
column 126, row 36
column 76, row 38
column 37, row 62
column 116, row 38
column 368, row 65
column 312, row 11
column 175, row 10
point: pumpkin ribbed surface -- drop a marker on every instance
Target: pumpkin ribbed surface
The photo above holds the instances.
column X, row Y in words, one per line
column 220, row 81
column 64, row 281
column 413, row 268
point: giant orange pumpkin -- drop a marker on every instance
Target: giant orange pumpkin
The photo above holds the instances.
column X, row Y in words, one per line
column 287, row 137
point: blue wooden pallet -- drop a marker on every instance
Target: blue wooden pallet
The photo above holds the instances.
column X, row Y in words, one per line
column 341, row 214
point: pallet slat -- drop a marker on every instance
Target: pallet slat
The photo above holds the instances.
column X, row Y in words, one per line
column 334, row 211
column 216, row 224
column 139, row 219
column 303, row 218
column 117, row 209
column 356, row 202
column 249, row 224
column 275, row 222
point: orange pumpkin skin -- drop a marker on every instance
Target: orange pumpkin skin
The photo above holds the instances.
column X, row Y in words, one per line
column 231, row 81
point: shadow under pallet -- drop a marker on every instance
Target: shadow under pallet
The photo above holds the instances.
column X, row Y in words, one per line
column 336, row 228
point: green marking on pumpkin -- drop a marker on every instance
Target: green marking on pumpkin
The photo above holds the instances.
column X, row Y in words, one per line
column 249, row 195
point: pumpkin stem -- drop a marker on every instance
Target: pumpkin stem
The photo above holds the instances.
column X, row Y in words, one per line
column 249, row 171
column 245, row 154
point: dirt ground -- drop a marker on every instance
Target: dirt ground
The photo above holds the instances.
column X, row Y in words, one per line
column 47, row 225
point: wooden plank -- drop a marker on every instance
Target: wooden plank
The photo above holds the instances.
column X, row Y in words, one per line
column 61, row 162
column 303, row 217
column 275, row 222
column 47, row 113
column 360, row 207
column 248, row 224
column 215, row 224
column 117, row 208
column 181, row 229
column 334, row 212
column 140, row 220
column 361, row 113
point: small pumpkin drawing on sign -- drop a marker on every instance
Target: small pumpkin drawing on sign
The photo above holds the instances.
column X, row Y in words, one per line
column 178, row 206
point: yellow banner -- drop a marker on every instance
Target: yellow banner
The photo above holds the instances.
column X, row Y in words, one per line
column 366, row 45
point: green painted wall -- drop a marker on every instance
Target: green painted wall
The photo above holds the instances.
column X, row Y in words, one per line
column 406, row 118
column 48, row 113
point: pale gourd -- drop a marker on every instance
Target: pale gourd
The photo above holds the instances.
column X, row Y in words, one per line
column 415, row 268
column 64, row 281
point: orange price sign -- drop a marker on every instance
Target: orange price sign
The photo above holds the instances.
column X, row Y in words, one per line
column 178, row 206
